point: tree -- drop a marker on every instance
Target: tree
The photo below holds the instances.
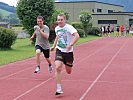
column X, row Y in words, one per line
column 85, row 18
column 28, row 10
column 54, row 18
column 54, row 23
column 1, row 17
column 55, row 14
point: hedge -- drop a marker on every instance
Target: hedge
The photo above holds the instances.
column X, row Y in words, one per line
column 7, row 37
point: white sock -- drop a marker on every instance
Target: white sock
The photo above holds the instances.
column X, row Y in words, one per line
column 59, row 87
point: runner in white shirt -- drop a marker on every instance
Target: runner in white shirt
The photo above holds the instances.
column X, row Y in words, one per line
column 66, row 37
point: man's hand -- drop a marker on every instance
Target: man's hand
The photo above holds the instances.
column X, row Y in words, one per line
column 52, row 49
column 38, row 28
column 32, row 37
column 68, row 48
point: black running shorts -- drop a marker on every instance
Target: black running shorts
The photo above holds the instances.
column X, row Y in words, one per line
column 66, row 58
column 45, row 52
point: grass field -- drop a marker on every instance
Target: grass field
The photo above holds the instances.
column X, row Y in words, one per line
column 86, row 39
column 23, row 49
column 17, row 29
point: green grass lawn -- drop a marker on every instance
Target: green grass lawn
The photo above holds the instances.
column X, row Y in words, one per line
column 23, row 49
column 86, row 39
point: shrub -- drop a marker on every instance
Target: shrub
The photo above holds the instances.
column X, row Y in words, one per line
column 7, row 37
column 57, row 12
column 85, row 18
column 52, row 35
column 52, row 32
column 81, row 32
column 94, row 31
column 53, row 25
column 77, row 25
column 17, row 25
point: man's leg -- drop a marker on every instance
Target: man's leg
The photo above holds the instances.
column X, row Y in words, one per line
column 48, row 59
column 69, row 62
column 68, row 69
column 50, row 68
column 38, row 53
column 58, row 69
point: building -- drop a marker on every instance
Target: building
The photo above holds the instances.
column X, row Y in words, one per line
column 102, row 13
column 5, row 25
column 116, row 18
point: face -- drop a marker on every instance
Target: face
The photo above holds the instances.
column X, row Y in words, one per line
column 40, row 22
column 61, row 21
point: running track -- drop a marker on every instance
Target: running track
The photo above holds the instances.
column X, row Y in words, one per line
column 103, row 70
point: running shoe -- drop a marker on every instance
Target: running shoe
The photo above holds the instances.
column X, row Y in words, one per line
column 37, row 70
column 50, row 68
column 58, row 92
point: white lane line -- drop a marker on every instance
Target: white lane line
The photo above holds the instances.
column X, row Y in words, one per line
column 33, row 57
column 84, row 94
column 110, row 82
column 53, row 77
column 35, row 79
column 32, row 89
column 14, row 73
column 16, row 62
column 4, row 77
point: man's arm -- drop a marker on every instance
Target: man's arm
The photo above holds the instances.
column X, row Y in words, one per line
column 46, row 36
column 33, row 35
column 54, row 45
column 75, row 39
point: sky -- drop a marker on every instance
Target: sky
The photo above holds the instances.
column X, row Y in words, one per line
column 10, row 2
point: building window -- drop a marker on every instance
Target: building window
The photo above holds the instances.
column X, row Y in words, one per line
column 107, row 21
column 99, row 10
column 110, row 11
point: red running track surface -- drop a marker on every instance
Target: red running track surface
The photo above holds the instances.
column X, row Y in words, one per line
column 102, row 71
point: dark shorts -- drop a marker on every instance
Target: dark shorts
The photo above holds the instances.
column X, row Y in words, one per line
column 45, row 52
column 66, row 58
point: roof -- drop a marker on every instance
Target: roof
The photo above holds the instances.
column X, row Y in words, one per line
column 115, row 14
column 124, row 12
column 89, row 1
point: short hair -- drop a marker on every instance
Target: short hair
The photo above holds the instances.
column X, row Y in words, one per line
column 62, row 15
column 40, row 17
